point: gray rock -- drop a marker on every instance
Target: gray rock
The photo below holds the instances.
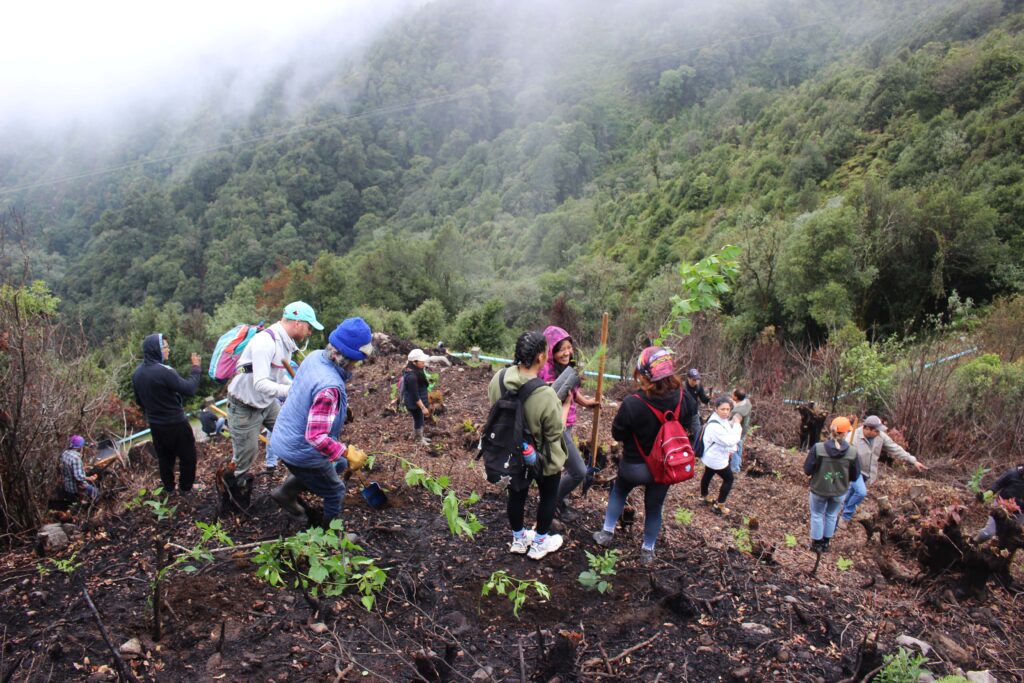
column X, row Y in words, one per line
column 756, row 629
column 742, row 674
column 981, row 677
column 131, row 648
column 484, row 673
column 791, row 600
column 51, row 537
column 909, row 642
column 925, row 677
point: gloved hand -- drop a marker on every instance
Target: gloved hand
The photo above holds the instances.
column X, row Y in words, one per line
column 356, row 458
column 980, row 496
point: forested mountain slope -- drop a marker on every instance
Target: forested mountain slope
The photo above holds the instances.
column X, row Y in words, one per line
column 866, row 156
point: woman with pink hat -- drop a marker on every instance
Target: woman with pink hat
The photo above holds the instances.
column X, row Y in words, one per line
column 636, row 425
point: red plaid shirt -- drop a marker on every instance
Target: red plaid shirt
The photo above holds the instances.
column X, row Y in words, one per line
column 322, row 415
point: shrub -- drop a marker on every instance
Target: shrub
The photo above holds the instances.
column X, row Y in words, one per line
column 428, row 320
column 482, row 326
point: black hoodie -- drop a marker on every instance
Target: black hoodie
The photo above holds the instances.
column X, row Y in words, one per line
column 158, row 388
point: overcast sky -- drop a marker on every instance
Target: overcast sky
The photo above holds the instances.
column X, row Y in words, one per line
column 66, row 60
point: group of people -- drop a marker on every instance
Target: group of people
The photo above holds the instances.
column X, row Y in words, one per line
column 305, row 412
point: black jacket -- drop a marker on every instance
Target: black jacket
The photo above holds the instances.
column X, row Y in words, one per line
column 158, row 388
column 636, row 419
column 1010, row 485
column 698, row 392
column 414, row 386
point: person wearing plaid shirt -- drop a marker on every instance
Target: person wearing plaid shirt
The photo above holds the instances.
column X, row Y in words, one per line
column 306, row 434
column 75, row 482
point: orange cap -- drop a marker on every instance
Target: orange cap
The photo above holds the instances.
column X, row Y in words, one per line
column 841, row 425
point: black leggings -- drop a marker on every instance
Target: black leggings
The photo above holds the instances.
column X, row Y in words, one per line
column 175, row 443
column 727, row 478
column 548, row 487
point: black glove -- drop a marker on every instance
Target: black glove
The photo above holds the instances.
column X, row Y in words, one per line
column 349, row 417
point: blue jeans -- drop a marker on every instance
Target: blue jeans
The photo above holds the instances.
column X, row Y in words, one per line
column 824, row 513
column 857, row 492
column 323, row 481
column 736, row 459
column 630, row 476
column 575, row 469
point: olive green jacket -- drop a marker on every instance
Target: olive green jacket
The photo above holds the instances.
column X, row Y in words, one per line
column 543, row 414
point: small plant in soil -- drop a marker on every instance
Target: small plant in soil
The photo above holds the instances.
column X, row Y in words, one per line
column 67, row 566
column 684, row 516
column 153, row 500
column 601, row 566
column 458, row 525
column 320, row 562
column 741, row 538
column 514, row 589
column 843, row 563
column 904, row 667
column 199, row 553
column 974, row 483
column 790, row 541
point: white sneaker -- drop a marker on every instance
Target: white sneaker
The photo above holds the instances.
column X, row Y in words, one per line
column 521, row 545
column 540, row 550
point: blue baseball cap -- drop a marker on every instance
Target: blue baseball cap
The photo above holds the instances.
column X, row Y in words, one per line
column 300, row 310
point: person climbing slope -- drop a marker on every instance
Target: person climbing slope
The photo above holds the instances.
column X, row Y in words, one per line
column 414, row 393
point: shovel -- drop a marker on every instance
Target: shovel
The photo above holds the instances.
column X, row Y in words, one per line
column 592, row 468
column 371, row 492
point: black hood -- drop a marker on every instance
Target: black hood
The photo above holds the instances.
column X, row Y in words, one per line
column 152, row 349
column 833, row 452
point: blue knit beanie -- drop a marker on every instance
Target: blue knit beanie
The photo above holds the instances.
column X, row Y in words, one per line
column 352, row 337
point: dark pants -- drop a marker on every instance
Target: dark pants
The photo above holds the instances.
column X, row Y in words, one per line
column 175, row 442
column 323, row 480
column 575, row 469
column 417, row 417
column 693, row 429
column 725, row 473
column 548, row 487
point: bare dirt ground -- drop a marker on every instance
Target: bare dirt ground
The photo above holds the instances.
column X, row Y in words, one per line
column 729, row 597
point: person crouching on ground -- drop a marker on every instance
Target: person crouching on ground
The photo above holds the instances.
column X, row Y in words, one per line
column 831, row 465
column 560, row 358
column 636, row 426
column 74, row 483
column 1009, row 486
column 305, row 435
column 542, row 414
column 722, row 436
column 414, row 393
column 211, row 423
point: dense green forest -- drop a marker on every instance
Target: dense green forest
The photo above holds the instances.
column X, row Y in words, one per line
column 483, row 165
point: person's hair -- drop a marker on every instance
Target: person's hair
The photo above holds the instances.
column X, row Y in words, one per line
column 208, row 401
column 723, row 399
column 663, row 387
column 739, row 394
column 337, row 357
column 529, row 345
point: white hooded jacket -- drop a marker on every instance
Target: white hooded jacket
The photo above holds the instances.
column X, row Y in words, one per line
column 721, row 439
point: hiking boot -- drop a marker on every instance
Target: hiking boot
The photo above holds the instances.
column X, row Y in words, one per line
column 814, row 546
column 287, row 496
column 539, row 551
column 708, row 500
column 565, row 513
column 603, row 537
column 521, row 545
column 646, row 557
column 824, row 544
column 720, row 509
column 419, row 438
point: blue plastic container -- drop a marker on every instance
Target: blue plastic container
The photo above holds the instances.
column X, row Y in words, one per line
column 374, row 496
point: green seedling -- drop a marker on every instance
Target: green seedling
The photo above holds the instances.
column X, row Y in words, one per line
column 843, row 564
column 153, row 500
column 600, row 566
column 741, row 537
column 67, row 566
column 974, row 483
column 514, row 589
column 451, row 505
column 684, row 516
column 321, row 561
column 790, row 541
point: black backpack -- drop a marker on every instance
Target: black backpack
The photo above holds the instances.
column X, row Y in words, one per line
column 698, row 443
column 502, row 437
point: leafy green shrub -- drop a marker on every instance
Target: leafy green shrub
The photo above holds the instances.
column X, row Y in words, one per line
column 684, row 516
column 320, row 561
column 901, row 667
column 450, row 503
column 428, row 320
column 482, row 326
column 600, row 566
column 153, row 500
column 515, row 589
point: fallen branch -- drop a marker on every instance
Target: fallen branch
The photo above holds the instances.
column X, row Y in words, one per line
column 122, row 668
column 625, row 653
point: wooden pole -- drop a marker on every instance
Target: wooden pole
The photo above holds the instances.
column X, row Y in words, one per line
column 161, row 554
column 600, row 386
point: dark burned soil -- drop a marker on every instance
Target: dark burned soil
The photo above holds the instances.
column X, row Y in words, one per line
column 728, row 597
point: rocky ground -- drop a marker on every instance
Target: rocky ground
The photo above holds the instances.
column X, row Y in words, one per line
column 729, row 597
